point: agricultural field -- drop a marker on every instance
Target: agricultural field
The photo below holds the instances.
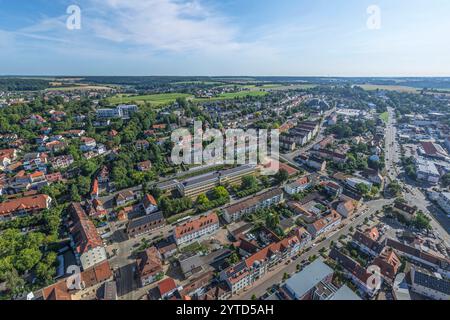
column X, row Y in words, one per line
column 153, row 99
column 371, row 87
column 233, row 95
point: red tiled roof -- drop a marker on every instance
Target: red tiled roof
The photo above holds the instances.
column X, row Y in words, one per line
column 149, row 200
column 195, row 225
column 166, row 286
column 38, row 202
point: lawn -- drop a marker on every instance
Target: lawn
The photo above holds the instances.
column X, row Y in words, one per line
column 154, row 99
column 385, row 117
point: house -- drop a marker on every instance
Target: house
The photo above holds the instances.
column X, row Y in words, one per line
column 297, row 186
column 94, row 190
column 236, row 211
column 142, row 145
column 24, row 206
column 389, row 263
column 145, row 224
column 95, row 208
column 195, row 229
column 124, row 197
column 408, row 212
column 316, row 163
column 356, row 273
column 346, row 208
column 373, row 176
column 87, row 144
column 167, row 248
column 61, row 162
column 144, row 166
column 149, row 266
column 103, row 176
column 330, row 155
column 87, row 243
column 91, row 280
column 324, row 225
column 197, row 287
column 149, row 204
column 303, row 236
column 167, row 288
column 332, row 188
column 367, row 241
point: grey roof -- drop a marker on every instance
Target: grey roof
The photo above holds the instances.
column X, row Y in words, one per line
column 345, row 293
column 305, row 280
column 144, row 220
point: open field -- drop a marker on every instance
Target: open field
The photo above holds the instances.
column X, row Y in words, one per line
column 153, row 99
column 79, row 87
column 399, row 88
column 385, row 117
column 233, row 95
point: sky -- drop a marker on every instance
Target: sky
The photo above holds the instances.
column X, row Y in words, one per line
column 226, row 37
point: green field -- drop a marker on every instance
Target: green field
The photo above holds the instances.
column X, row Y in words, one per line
column 399, row 88
column 153, row 99
column 233, row 95
column 385, row 117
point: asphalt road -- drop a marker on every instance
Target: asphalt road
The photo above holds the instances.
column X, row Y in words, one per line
column 414, row 196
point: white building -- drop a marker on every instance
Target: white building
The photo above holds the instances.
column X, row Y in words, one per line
column 195, row 229
column 427, row 171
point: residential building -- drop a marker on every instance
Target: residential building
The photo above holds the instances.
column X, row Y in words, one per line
column 408, row 212
column 124, row 197
column 24, row 206
column 356, row 273
column 367, row 242
column 236, row 211
column 346, row 208
column 324, row 225
column 144, row 166
column 389, row 263
column 145, row 224
column 197, row 228
column 430, row 285
column 149, row 204
column 246, row 272
column 443, row 201
column 87, row 243
column 149, row 266
column 167, row 288
column 427, row 171
column 297, row 186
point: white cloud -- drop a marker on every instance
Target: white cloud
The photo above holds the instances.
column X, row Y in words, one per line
column 163, row 25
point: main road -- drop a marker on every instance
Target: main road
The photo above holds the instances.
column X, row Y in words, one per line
column 411, row 192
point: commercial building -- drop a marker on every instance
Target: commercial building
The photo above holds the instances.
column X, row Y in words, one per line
column 427, row 171
column 121, row 111
column 430, row 285
column 195, row 186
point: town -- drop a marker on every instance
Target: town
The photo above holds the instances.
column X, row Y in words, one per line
column 358, row 210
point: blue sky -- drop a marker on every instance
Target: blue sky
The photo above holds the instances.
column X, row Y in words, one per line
column 225, row 37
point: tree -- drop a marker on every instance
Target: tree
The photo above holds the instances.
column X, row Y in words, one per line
column 249, row 182
column 282, row 176
column 14, row 283
column 220, row 193
column 422, row 221
column 363, row 188
column 254, row 297
column 202, row 199
column 27, row 259
column 233, row 258
column 285, row 276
